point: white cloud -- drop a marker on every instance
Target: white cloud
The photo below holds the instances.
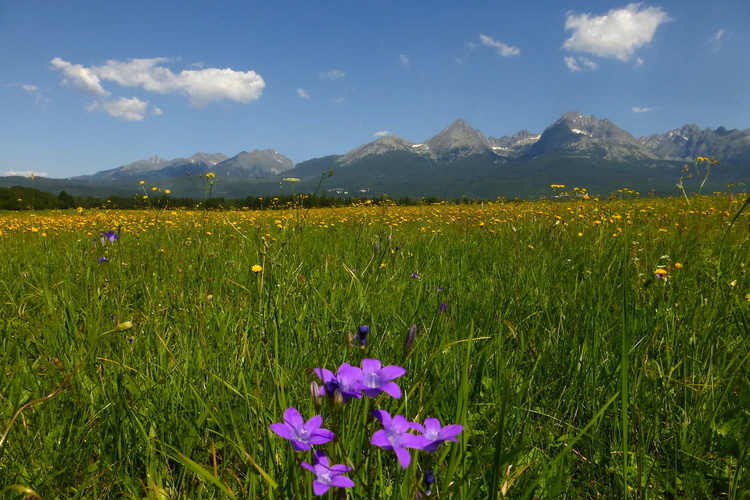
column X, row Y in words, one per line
column 616, row 34
column 212, row 84
column 79, row 78
column 636, row 109
column 339, row 100
column 334, row 74
column 502, row 48
column 33, row 90
column 580, row 63
column 132, row 109
column 303, row 93
column 202, row 86
column 156, row 111
column 26, row 173
column 382, row 133
column 717, row 40
column 404, row 60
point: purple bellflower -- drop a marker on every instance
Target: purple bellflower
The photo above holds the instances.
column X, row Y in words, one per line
column 110, row 236
column 395, row 436
column 433, row 433
column 327, row 476
column 345, row 381
column 376, row 379
column 302, row 434
column 102, row 260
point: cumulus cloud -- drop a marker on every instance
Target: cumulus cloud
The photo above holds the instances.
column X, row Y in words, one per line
column 636, row 109
column 334, row 74
column 580, row 63
column 405, row 61
column 303, row 93
column 25, row 173
column 501, row 48
column 78, row 78
column 382, row 133
column 132, row 109
column 617, row 34
column 201, row 86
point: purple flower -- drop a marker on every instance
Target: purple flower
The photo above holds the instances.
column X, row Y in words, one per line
column 327, row 476
column 415, row 275
column 433, row 433
column 302, row 434
column 376, row 379
column 109, row 235
column 344, row 382
column 362, row 331
column 395, row 436
column 102, row 260
column 443, row 307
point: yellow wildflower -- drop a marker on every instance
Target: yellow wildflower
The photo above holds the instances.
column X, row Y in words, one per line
column 256, row 268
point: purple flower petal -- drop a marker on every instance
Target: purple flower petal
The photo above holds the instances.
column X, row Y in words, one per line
column 433, row 433
column 327, row 476
column 395, row 436
column 391, row 371
column 301, row 434
column 403, row 456
column 380, row 439
column 376, row 379
column 345, row 381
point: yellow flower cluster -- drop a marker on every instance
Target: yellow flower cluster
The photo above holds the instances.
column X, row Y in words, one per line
column 704, row 159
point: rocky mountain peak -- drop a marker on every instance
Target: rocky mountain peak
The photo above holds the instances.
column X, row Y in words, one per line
column 380, row 146
column 586, row 135
column 457, row 140
column 208, row 159
column 255, row 163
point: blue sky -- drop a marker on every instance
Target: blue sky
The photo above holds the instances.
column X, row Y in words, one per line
column 96, row 84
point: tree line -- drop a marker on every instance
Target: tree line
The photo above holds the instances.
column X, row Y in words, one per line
column 25, row 198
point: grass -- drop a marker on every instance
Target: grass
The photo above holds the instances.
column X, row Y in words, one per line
column 576, row 371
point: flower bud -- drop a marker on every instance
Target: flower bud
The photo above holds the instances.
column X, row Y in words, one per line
column 411, row 336
column 362, row 331
column 124, row 326
column 315, row 394
column 338, row 399
column 429, row 479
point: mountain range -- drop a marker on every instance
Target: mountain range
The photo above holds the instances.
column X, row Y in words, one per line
column 460, row 160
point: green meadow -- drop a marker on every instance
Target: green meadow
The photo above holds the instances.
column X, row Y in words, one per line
column 590, row 349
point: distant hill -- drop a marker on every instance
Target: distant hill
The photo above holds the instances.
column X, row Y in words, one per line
column 576, row 150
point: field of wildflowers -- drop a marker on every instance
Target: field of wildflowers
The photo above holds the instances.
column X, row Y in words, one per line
column 576, row 348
